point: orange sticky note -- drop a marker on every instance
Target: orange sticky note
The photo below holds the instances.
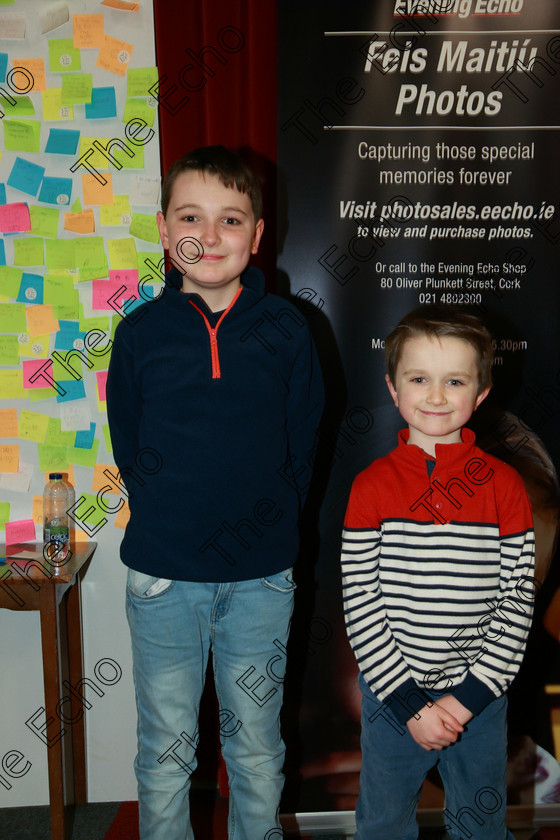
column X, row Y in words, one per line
column 114, row 55
column 87, row 31
column 40, row 319
column 9, row 458
column 35, row 68
column 95, row 192
column 122, row 516
column 21, row 531
column 101, row 481
column 8, row 423
column 37, row 512
column 123, row 5
column 67, row 475
column 83, row 222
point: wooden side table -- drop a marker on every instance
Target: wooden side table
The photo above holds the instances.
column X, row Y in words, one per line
column 30, row 582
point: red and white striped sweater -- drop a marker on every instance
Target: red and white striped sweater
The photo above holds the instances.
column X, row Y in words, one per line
column 438, row 575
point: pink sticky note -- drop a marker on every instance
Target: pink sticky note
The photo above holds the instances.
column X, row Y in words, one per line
column 21, row 531
column 37, row 373
column 102, row 384
column 14, row 218
column 101, row 292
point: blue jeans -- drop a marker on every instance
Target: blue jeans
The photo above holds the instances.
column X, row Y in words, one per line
column 173, row 625
column 473, row 771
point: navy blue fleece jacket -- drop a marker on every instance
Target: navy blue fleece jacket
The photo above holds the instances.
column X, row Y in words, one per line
column 213, row 428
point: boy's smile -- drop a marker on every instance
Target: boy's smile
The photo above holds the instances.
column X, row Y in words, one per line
column 436, row 389
column 210, row 232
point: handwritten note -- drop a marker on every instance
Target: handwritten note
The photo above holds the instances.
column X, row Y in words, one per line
column 9, row 458
column 35, row 74
column 14, row 218
column 22, row 530
column 114, row 55
column 26, row 176
column 88, row 31
column 8, row 423
column 83, row 222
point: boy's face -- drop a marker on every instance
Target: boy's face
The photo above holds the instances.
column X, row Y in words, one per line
column 202, row 210
column 436, row 389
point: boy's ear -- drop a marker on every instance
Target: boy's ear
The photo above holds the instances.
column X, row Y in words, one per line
column 259, row 227
column 162, row 227
column 392, row 390
column 482, row 396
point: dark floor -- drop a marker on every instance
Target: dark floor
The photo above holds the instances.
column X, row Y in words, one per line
column 91, row 822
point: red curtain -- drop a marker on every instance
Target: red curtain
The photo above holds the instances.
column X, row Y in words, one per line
column 217, row 68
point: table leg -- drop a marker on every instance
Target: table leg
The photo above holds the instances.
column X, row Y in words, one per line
column 76, row 673
column 54, row 731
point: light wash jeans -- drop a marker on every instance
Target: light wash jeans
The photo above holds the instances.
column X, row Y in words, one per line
column 173, row 625
column 473, row 771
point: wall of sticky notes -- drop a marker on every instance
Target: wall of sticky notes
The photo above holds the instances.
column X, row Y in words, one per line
column 79, row 189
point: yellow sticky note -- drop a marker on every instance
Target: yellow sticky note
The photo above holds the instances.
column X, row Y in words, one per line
column 122, row 253
column 88, row 31
column 55, row 436
column 53, row 109
column 83, row 222
column 33, row 425
column 40, row 319
column 114, row 55
column 117, row 213
column 11, row 385
column 144, row 226
column 8, row 423
column 35, row 68
column 35, row 346
column 90, row 146
column 37, row 514
column 9, row 458
column 139, row 108
column 96, row 193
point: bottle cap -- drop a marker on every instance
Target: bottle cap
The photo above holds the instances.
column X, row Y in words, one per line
column 55, row 476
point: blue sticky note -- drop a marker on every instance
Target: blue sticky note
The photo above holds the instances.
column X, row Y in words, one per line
column 84, row 440
column 103, row 105
column 30, row 288
column 75, row 390
column 3, row 66
column 26, row 176
column 2, row 253
column 68, row 333
column 56, row 190
column 62, row 141
column 3, row 194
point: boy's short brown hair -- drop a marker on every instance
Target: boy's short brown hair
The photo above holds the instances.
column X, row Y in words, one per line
column 438, row 321
column 215, row 160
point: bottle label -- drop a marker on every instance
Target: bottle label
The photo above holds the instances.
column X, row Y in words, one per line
column 55, row 539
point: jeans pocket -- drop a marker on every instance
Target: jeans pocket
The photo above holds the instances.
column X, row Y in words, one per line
column 146, row 586
column 280, row 582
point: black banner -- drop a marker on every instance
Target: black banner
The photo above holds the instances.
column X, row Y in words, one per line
column 417, row 163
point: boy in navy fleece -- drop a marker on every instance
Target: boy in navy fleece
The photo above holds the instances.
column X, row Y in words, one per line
column 220, row 381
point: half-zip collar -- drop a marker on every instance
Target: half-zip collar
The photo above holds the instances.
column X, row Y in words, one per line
column 213, row 333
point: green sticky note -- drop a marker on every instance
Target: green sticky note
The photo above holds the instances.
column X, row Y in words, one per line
column 52, row 458
column 77, row 206
column 83, row 457
column 57, row 288
column 54, row 435
column 63, row 58
column 44, row 220
column 97, row 273
column 100, row 362
column 10, row 280
column 61, row 369
column 149, row 266
column 95, row 158
column 139, row 80
column 97, row 322
column 60, row 253
column 37, row 394
column 29, row 251
column 12, row 318
column 4, row 513
column 89, row 511
column 139, row 109
column 90, row 252
column 76, row 88
column 122, row 253
column 22, row 107
column 69, row 311
column 9, row 350
column 22, row 135
column 107, row 437
column 32, row 425
column 144, row 226
column 134, row 160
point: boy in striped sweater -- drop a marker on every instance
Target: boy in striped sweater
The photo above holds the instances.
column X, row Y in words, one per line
column 437, row 563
